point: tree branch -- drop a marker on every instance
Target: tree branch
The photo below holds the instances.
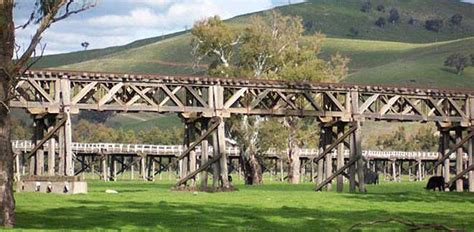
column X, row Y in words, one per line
column 69, row 12
column 45, row 22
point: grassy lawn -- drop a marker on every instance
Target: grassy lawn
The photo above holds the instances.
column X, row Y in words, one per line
column 272, row 207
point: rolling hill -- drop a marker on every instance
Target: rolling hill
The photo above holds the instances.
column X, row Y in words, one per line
column 402, row 53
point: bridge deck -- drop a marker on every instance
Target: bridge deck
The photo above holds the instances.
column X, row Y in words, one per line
column 50, row 91
column 176, row 150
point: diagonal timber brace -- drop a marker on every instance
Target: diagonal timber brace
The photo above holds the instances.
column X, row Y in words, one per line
column 334, row 144
column 452, row 150
column 217, row 122
column 337, row 173
column 47, row 137
column 197, row 171
column 459, row 175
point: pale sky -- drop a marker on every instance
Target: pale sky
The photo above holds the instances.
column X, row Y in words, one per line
column 118, row 22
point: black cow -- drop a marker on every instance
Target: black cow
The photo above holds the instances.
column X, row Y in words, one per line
column 435, row 182
column 465, row 185
column 371, row 177
column 229, row 178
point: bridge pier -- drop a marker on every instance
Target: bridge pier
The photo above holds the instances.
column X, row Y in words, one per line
column 355, row 164
column 461, row 137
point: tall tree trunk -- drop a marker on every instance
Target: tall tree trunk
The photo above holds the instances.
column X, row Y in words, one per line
column 293, row 152
column 252, row 169
column 293, row 165
column 7, row 41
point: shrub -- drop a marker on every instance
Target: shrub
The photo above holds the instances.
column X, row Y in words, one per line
column 434, row 25
column 380, row 22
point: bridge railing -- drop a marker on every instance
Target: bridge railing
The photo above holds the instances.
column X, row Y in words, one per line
column 172, row 150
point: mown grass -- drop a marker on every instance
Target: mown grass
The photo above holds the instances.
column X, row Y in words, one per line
column 272, row 207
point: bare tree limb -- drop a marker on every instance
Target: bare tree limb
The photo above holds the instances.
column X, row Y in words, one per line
column 45, row 22
column 69, row 12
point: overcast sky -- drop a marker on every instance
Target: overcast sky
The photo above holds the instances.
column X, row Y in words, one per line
column 118, row 22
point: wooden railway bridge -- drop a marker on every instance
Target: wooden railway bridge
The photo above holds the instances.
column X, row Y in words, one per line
column 204, row 103
column 154, row 159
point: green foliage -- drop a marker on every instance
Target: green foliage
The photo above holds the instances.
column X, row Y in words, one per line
column 20, row 131
column 434, row 25
column 456, row 19
column 163, row 137
column 424, row 139
column 380, row 22
column 458, row 61
column 214, row 39
column 87, row 132
column 394, row 16
column 366, row 7
column 381, row 8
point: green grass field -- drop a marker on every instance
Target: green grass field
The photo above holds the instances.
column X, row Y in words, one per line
column 274, row 206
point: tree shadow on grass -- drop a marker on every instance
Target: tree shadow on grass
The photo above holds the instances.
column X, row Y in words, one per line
column 422, row 196
column 174, row 216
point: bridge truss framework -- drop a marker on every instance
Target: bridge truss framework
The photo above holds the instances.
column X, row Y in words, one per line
column 204, row 103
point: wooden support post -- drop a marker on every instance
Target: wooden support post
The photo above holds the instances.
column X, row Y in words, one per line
column 328, row 169
column 51, row 154
column 394, row 170
column 132, row 169
column 153, row 168
column 459, row 161
column 410, row 178
column 39, row 155
column 143, row 167
column 215, row 165
column 113, row 171
column 17, row 167
column 471, row 161
column 352, row 168
column 322, row 146
column 400, row 171
column 446, row 161
column 192, row 166
column 168, row 168
column 360, row 161
column 223, row 160
column 340, row 159
column 61, row 152
column 441, row 150
column 419, row 174
column 66, row 102
column 104, row 167
column 204, row 159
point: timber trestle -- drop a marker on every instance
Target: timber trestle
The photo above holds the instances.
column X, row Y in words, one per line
column 204, row 103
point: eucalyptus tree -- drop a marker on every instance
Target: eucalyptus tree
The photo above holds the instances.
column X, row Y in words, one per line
column 272, row 46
